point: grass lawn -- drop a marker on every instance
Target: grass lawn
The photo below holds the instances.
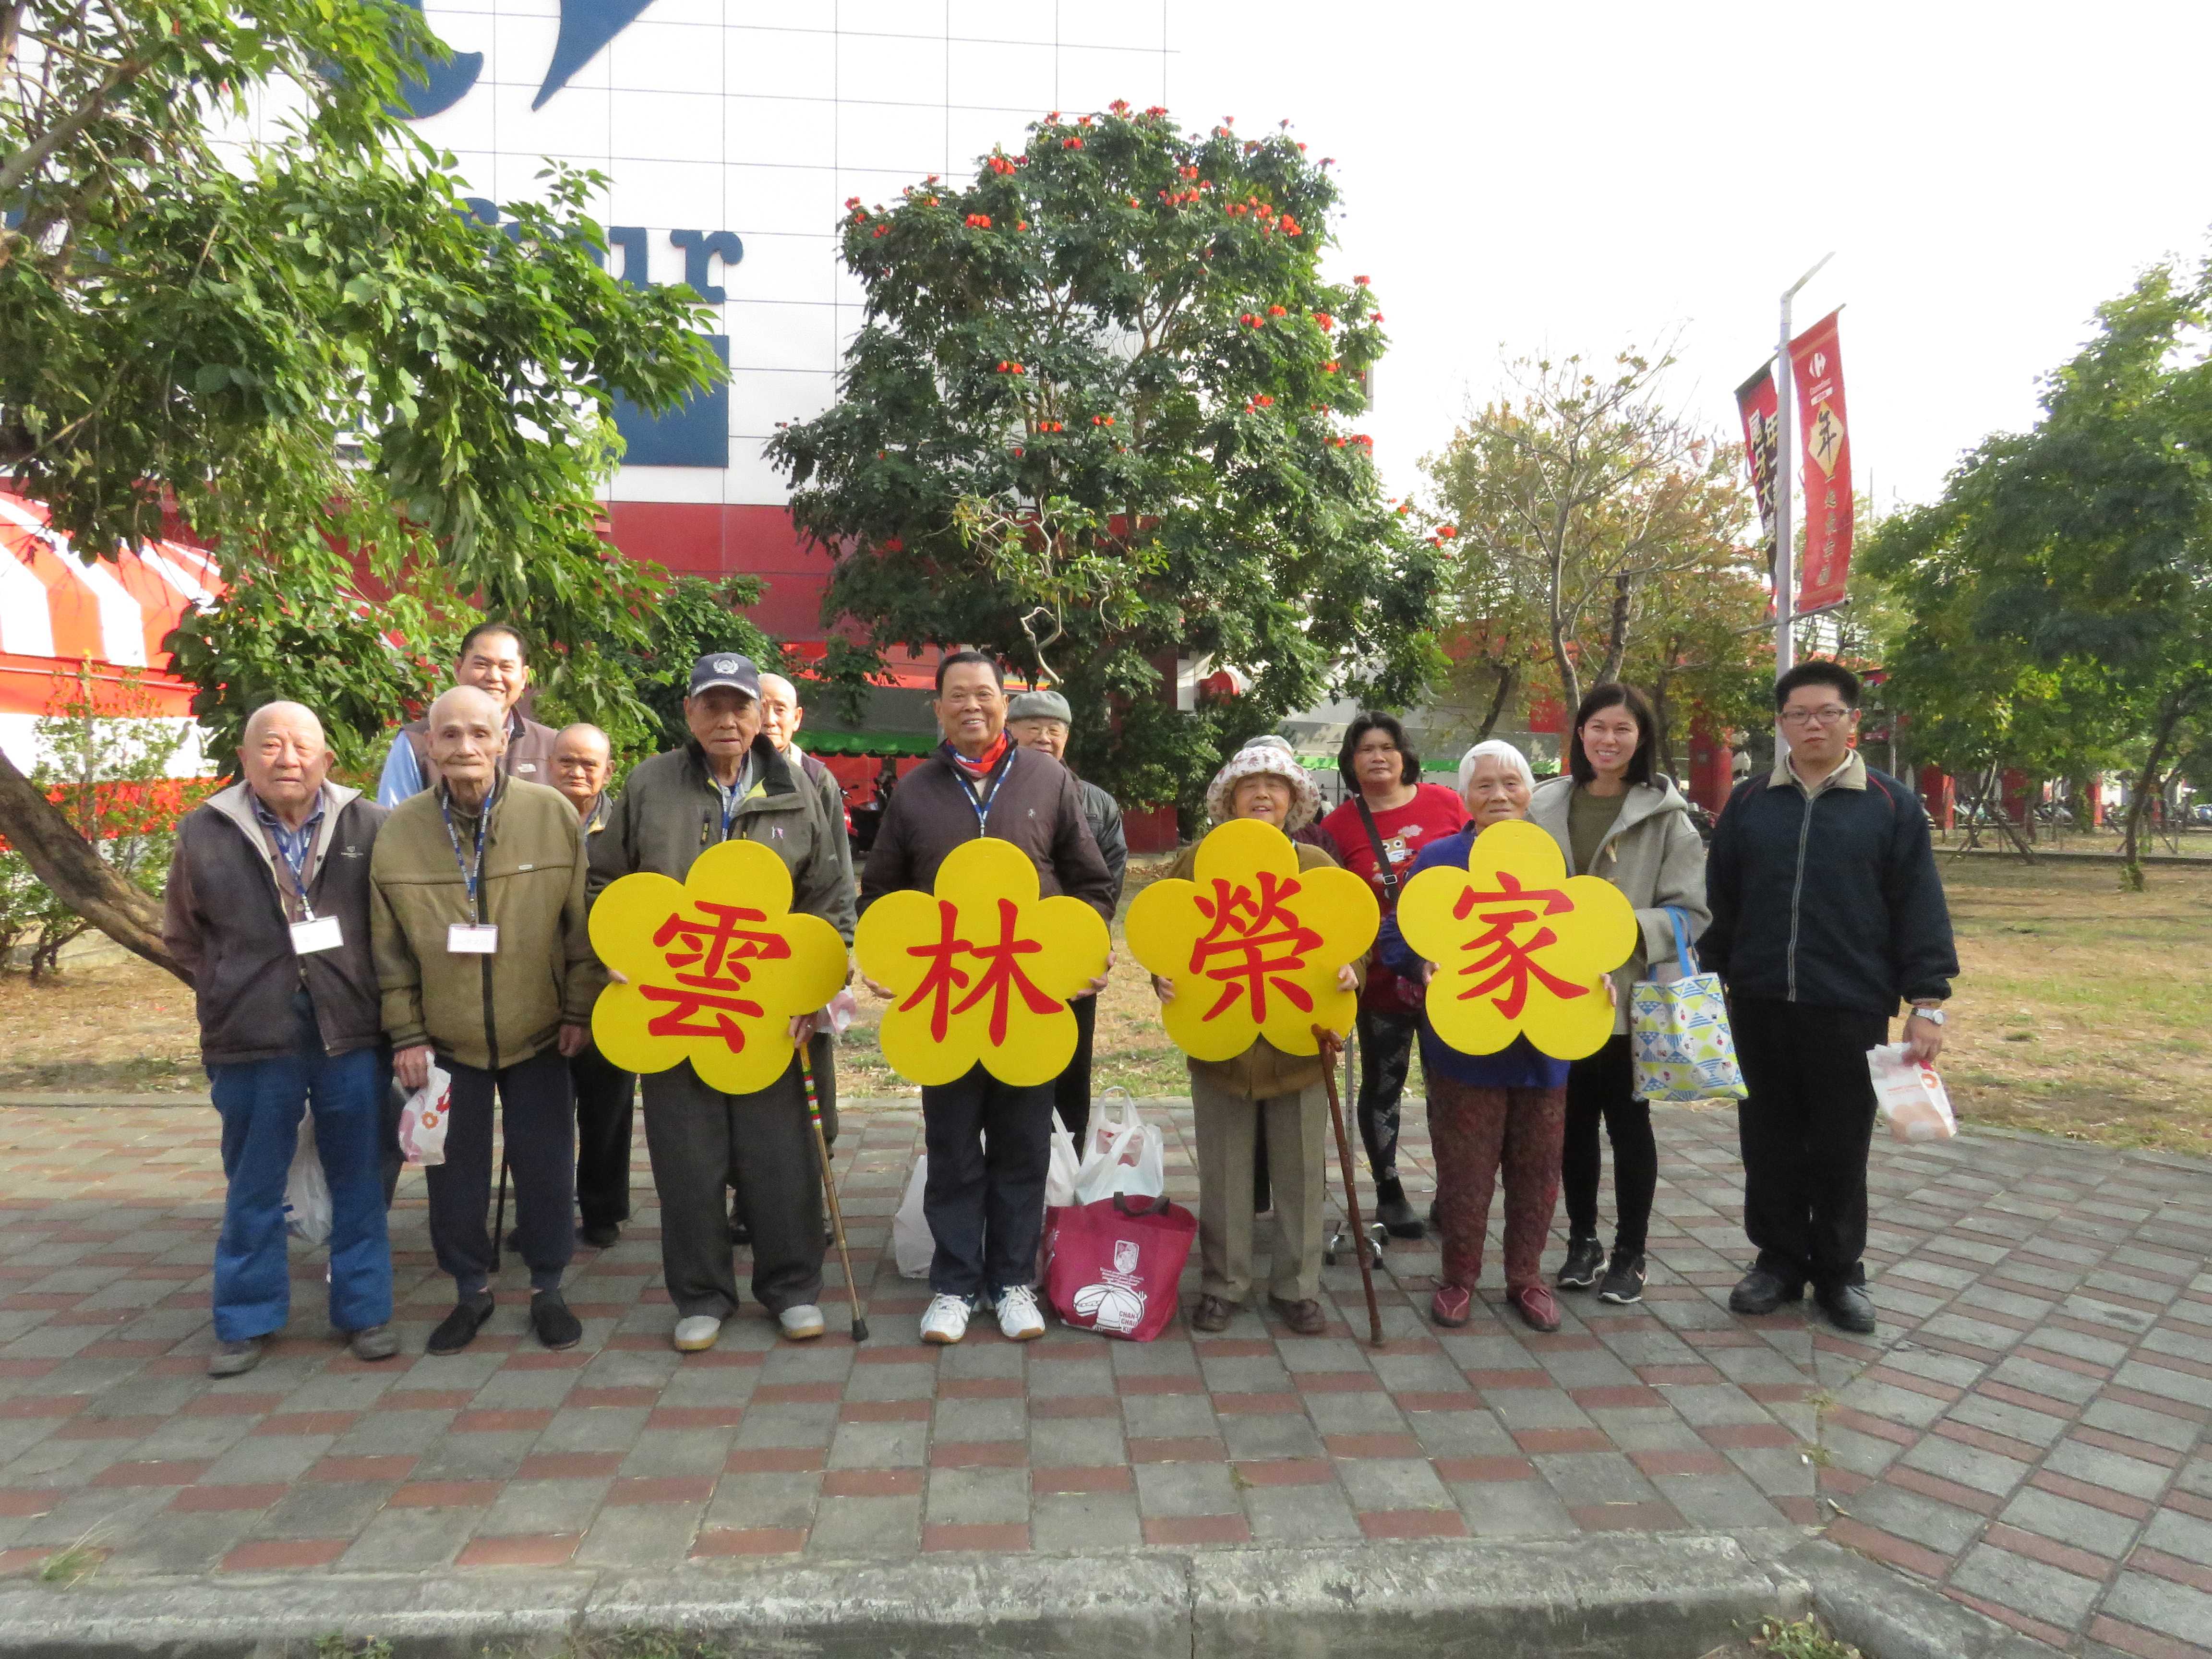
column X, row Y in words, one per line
column 2079, row 1011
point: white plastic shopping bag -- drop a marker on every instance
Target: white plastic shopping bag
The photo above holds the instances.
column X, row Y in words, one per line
column 913, row 1246
column 422, row 1119
column 1060, row 1174
column 1126, row 1155
column 307, row 1192
column 1911, row 1097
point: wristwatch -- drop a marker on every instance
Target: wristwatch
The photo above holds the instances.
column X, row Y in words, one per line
column 1932, row 1012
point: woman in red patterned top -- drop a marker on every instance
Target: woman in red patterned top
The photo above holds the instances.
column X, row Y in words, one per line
column 1378, row 833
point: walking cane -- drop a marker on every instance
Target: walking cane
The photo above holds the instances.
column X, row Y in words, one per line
column 1331, row 1044
column 830, row 1189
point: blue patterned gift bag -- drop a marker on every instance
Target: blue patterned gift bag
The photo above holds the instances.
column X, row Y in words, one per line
column 1678, row 1033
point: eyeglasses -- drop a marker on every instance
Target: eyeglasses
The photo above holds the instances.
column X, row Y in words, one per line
column 1827, row 716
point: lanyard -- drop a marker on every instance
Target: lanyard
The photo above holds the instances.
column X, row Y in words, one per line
column 295, row 867
column 473, row 877
column 730, row 801
column 981, row 802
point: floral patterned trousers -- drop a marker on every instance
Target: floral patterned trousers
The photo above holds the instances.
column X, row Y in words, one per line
column 1477, row 1135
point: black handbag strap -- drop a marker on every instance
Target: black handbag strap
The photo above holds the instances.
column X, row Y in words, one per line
column 1385, row 875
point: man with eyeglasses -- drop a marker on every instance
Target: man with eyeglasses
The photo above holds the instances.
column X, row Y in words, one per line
column 1827, row 911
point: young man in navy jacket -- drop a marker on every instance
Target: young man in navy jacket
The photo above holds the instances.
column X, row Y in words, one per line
column 1827, row 912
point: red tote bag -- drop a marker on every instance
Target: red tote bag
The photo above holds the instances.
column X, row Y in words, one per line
column 1117, row 1264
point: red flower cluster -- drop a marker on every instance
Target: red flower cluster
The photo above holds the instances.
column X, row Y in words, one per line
column 1157, row 109
column 979, row 221
column 882, row 230
column 1290, row 227
column 1362, row 281
column 852, row 201
column 1277, row 311
column 1446, row 531
column 1330, row 366
column 1007, row 367
column 1326, row 321
column 1071, row 144
column 1023, row 224
column 1102, row 419
column 893, row 544
column 1119, row 107
column 1051, row 426
column 999, row 165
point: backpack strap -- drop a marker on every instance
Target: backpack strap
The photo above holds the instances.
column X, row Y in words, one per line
column 1385, row 875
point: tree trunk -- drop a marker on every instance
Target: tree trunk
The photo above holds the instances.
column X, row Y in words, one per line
column 78, row 875
column 1616, row 641
column 1506, row 678
column 2147, row 787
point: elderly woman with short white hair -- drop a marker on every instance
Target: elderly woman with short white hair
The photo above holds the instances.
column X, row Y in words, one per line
column 1233, row 1100
column 1489, row 1115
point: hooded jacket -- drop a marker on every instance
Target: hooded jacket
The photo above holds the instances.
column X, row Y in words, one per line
column 492, row 1011
column 1652, row 854
column 223, row 917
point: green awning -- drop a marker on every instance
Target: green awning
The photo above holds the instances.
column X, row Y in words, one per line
column 816, row 741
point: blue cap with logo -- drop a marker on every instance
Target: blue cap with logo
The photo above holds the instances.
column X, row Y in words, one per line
column 724, row 668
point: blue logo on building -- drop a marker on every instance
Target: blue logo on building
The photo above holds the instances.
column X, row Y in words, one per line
column 586, row 27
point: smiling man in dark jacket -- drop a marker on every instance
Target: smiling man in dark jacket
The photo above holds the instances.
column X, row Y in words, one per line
column 268, row 908
column 1827, row 911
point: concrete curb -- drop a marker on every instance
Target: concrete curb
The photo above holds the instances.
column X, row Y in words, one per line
column 1609, row 1595
column 1889, row 1616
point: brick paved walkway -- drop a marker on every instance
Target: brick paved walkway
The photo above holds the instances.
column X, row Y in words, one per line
column 2027, row 1431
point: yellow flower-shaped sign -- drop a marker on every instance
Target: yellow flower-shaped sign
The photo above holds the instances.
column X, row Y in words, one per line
column 1521, row 948
column 717, row 967
column 1253, row 946
column 981, row 970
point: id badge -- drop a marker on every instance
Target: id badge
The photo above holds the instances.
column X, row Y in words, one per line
column 468, row 939
column 317, row 933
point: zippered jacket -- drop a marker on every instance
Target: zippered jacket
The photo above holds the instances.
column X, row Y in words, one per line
column 492, row 1011
column 1830, row 898
column 669, row 811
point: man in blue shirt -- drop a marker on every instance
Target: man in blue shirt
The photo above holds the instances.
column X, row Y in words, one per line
column 494, row 659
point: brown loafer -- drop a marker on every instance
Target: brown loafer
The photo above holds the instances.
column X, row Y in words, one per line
column 1213, row 1313
column 1306, row 1318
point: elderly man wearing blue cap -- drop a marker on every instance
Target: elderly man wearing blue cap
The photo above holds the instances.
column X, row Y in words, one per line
column 730, row 782
column 1040, row 720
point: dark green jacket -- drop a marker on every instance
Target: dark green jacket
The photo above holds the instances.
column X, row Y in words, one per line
column 670, row 812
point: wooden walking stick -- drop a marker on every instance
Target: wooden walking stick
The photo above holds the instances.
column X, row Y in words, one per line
column 1331, row 1044
column 830, row 1190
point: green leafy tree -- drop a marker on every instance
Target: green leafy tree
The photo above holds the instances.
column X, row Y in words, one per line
column 1099, row 416
column 106, row 755
column 311, row 352
column 2075, row 558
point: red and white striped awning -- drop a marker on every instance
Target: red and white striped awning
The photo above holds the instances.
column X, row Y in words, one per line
column 56, row 611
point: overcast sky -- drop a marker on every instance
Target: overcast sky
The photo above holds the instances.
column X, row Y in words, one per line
column 1585, row 176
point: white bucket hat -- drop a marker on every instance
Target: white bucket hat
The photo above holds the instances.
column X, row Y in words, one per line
column 1269, row 756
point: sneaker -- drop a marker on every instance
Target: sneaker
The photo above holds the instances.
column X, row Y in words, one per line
column 1391, row 1209
column 945, row 1319
column 374, row 1342
column 1450, row 1305
column 1762, row 1290
column 802, row 1323
column 697, row 1334
column 1018, row 1318
column 556, row 1327
column 1849, row 1307
column 458, row 1329
column 1580, row 1270
column 1534, row 1304
column 234, row 1359
column 1624, row 1279
column 1213, row 1313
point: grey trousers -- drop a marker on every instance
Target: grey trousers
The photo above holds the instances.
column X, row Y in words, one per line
column 1297, row 1132
column 702, row 1141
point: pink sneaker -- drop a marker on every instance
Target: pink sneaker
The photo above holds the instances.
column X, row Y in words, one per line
column 1449, row 1306
column 1537, row 1307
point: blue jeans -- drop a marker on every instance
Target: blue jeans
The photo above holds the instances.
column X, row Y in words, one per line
column 260, row 1102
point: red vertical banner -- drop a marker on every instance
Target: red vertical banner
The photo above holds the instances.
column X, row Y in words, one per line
column 1817, row 366
column 1755, row 400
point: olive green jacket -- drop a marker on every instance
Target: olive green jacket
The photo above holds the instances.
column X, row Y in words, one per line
column 495, row 1010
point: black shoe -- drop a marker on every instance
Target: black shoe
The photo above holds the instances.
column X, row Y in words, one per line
column 1762, row 1290
column 458, row 1329
column 600, row 1238
column 555, row 1325
column 1848, row 1307
column 1585, row 1256
column 1624, row 1279
column 1391, row 1209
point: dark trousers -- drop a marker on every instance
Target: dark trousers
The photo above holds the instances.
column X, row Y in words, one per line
column 1071, row 1090
column 1386, row 1054
column 260, row 1102
column 702, row 1141
column 605, row 1106
column 1603, row 1086
column 537, row 1119
column 989, row 1145
column 1806, row 1126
